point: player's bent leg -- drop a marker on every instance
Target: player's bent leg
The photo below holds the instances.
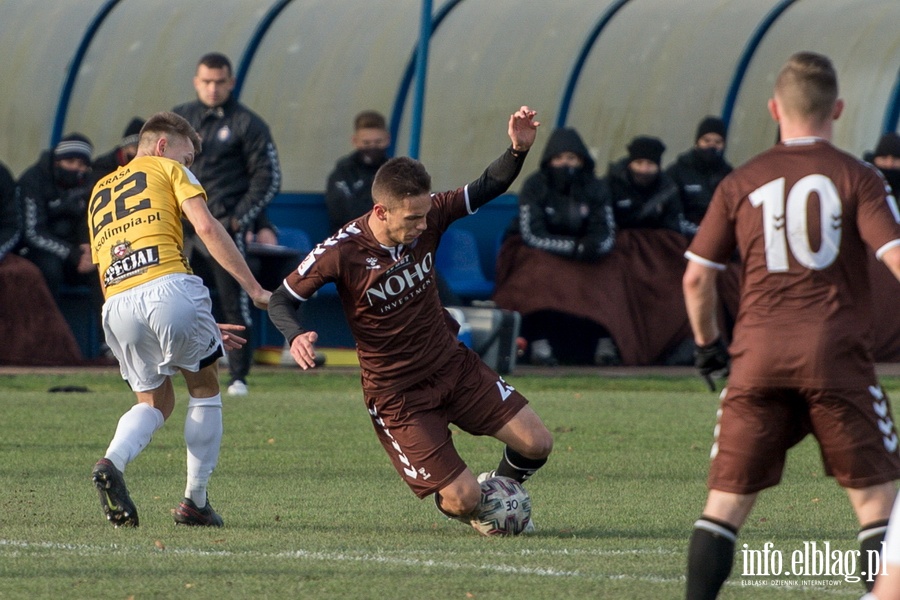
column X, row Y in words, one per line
column 459, row 498
column 134, row 431
column 203, row 439
column 711, row 548
column 872, row 506
column 528, row 444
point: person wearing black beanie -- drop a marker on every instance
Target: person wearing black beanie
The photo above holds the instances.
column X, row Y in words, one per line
column 699, row 170
column 53, row 195
column 643, row 196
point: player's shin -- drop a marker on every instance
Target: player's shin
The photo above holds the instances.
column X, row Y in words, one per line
column 203, row 437
column 518, row 467
column 710, row 558
column 133, row 432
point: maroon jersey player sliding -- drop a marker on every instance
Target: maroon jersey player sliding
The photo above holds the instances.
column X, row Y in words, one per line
column 417, row 378
column 800, row 215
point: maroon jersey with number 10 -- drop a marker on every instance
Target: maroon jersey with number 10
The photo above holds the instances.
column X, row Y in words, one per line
column 800, row 215
column 389, row 295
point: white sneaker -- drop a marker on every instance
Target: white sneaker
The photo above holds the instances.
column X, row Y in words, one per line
column 485, row 476
column 238, row 388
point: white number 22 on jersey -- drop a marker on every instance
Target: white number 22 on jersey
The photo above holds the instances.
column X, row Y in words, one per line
column 785, row 222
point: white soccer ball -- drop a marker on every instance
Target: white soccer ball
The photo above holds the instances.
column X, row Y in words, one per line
column 505, row 507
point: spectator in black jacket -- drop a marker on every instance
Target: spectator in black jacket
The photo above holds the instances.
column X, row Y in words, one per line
column 643, row 196
column 886, row 157
column 699, row 170
column 563, row 210
column 348, row 192
column 239, row 169
column 52, row 195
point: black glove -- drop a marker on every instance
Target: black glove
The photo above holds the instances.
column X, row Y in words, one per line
column 712, row 358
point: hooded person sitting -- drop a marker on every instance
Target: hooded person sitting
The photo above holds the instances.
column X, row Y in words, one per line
column 699, row 170
column 562, row 207
column 564, row 211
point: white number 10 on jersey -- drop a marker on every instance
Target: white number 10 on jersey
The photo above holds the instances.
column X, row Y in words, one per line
column 785, row 222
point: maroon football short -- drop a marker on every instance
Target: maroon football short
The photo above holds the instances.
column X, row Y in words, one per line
column 756, row 427
column 412, row 424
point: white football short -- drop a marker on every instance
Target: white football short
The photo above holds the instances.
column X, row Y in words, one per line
column 160, row 326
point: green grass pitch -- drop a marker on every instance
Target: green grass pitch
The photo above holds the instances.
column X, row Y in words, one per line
column 313, row 508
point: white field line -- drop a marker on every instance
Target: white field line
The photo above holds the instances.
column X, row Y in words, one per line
column 13, row 548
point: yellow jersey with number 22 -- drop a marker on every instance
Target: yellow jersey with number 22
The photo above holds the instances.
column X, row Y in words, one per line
column 134, row 221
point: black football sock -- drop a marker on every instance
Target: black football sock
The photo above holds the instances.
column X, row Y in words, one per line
column 515, row 466
column 710, row 557
column 870, row 538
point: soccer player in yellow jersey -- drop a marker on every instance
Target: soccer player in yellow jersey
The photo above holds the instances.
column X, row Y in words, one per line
column 157, row 316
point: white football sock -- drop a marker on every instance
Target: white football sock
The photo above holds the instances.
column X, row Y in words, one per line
column 203, row 436
column 133, row 433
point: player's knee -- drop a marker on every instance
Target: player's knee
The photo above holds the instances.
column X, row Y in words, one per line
column 539, row 445
column 461, row 500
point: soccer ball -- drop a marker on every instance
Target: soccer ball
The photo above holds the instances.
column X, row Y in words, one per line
column 505, row 507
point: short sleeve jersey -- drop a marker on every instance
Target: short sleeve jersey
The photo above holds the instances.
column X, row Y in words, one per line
column 388, row 294
column 801, row 215
column 134, row 221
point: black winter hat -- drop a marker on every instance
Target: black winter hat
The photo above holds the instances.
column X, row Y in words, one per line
column 710, row 124
column 132, row 132
column 888, row 145
column 74, row 145
column 647, row 147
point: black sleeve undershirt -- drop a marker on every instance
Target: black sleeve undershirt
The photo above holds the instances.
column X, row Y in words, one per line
column 283, row 308
column 497, row 178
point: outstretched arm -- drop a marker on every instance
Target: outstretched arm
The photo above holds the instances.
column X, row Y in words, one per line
column 500, row 174
column 222, row 248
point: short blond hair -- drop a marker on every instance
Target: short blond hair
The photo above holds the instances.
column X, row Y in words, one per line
column 169, row 123
column 807, row 86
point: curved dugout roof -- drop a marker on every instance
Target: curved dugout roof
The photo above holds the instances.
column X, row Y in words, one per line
column 649, row 67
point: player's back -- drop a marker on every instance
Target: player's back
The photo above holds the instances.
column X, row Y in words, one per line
column 803, row 213
column 134, row 221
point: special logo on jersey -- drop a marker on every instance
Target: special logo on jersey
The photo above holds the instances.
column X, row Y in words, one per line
column 224, row 134
column 128, row 263
column 372, row 263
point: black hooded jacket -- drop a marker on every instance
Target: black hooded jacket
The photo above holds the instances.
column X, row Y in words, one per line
column 562, row 211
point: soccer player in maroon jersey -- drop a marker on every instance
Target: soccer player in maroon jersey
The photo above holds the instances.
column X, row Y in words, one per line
column 800, row 215
column 417, row 377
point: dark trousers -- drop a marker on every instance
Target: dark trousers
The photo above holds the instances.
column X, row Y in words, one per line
column 230, row 304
